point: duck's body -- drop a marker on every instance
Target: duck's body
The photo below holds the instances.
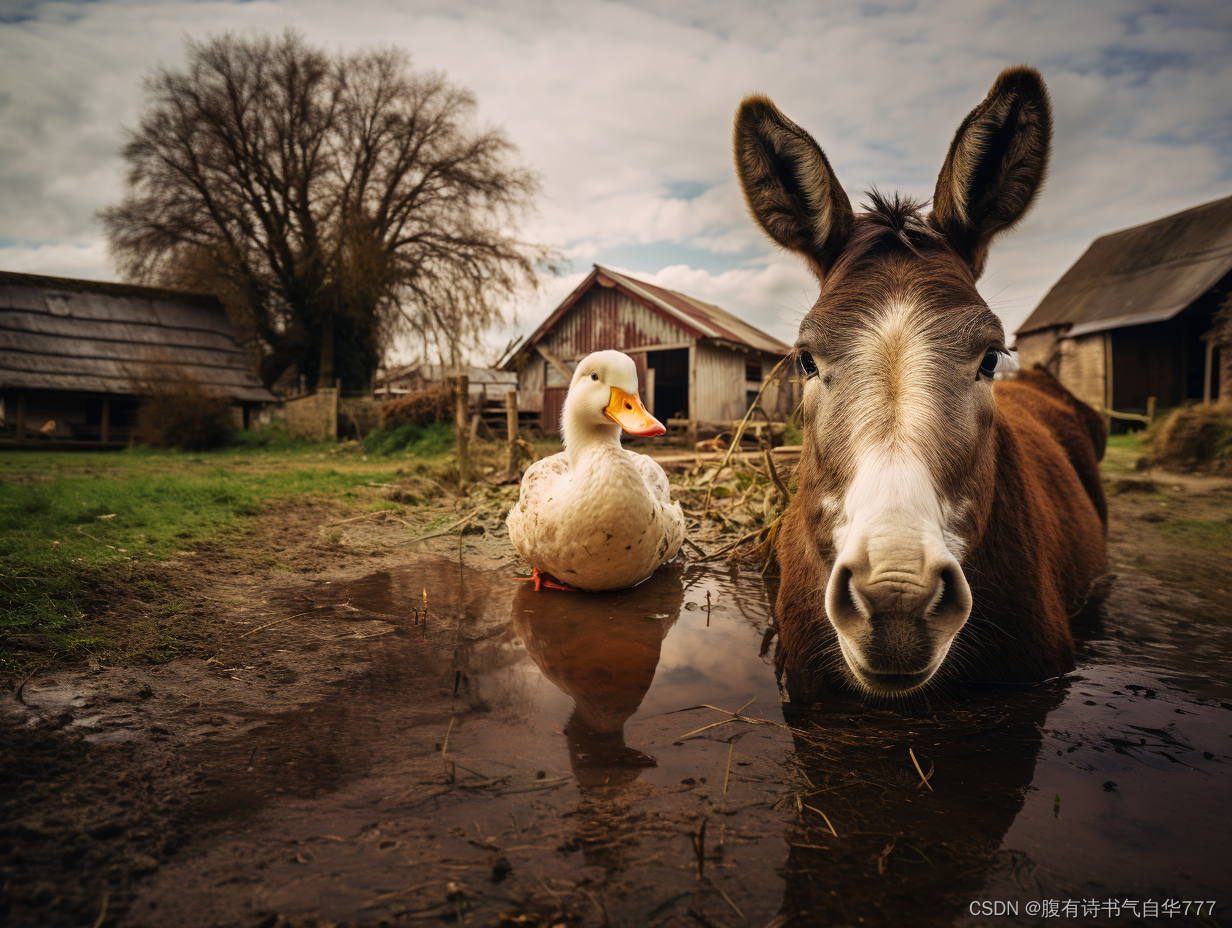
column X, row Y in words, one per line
column 596, row 516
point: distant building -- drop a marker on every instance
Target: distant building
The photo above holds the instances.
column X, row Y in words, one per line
column 698, row 366
column 76, row 354
column 1130, row 319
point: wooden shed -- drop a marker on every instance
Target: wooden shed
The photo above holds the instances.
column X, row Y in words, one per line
column 698, row 366
column 1130, row 320
column 75, row 355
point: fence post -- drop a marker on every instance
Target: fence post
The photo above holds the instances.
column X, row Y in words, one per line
column 462, row 408
column 511, row 428
column 1150, row 410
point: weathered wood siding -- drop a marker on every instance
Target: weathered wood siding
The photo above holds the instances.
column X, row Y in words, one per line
column 530, row 384
column 604, row 318
column 720, row 383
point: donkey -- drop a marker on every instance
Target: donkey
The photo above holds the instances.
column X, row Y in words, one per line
column 943, row 524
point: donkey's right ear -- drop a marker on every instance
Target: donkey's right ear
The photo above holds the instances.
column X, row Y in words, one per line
column 789, row 185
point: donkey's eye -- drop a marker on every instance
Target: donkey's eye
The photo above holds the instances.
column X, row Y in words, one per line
column 808, row 364
column 594, row 376
column 988, row 366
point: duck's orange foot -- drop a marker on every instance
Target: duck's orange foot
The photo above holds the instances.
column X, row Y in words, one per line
column 541, row 581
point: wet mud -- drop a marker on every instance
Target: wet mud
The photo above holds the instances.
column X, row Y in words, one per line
column 433, row 743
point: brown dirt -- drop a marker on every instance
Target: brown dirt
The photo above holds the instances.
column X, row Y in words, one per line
column 1176, row 528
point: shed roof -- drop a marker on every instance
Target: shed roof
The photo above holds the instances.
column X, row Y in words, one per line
column 699, row 319
column 88, row 336
column 1147, row 273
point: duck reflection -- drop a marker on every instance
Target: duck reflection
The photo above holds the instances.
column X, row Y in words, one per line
column 602, row 651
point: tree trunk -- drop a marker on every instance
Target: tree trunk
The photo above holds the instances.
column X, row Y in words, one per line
column 325, row 378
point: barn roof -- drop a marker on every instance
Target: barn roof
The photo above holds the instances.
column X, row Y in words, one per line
column 1147, row 273
column 94, row 337
column 699, row 319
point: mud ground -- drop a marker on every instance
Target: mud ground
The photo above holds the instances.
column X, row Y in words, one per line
column 139, row 793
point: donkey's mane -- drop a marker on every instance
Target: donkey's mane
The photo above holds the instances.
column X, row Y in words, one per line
column 891, row 223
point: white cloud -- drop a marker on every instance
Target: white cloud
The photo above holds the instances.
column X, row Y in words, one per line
column 86, row 261
column 625, row 108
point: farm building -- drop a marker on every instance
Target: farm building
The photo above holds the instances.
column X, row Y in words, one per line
column 1130, row 320
column 698, row 366
column 75, row 355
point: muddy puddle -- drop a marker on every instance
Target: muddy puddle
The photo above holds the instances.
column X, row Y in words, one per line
column 489, row 755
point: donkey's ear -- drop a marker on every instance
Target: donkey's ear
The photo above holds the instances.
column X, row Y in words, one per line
column 996, row 164
column 789, row 185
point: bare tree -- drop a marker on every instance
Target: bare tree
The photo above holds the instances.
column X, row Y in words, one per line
column 331, row 202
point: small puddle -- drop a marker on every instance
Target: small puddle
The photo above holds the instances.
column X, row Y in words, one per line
column 550, row 756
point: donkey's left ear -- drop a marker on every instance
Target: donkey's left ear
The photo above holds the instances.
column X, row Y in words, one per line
column 996, row 164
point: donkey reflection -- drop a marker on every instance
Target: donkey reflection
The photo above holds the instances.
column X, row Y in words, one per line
column 602, row 653
column 905, row 854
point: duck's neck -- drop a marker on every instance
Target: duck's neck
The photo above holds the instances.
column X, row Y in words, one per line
column 584, row 439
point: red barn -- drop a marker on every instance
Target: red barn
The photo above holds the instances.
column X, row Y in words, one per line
column 698, row 366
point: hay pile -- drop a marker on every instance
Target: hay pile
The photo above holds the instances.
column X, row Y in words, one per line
column 1194, row 438
column 420, row 407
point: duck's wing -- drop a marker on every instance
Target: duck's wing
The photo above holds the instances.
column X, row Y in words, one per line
column 654, row 478
column 672, row 523
column 539, row 475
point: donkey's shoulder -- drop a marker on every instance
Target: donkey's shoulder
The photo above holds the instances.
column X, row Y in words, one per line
column 1077, row 428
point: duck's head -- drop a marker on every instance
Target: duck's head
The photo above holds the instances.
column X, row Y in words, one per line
column 603, row 400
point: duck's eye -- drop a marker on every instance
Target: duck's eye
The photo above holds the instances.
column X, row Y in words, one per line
column 809, row 365
column 988, row 366
column 594, row 375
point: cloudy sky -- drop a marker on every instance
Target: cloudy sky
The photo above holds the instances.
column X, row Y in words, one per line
column 625, row 109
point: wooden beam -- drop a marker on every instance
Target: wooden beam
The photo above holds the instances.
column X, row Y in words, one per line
column 511, row 429
column 1206, row 374
column 555, row 361
column 104, row 432
column 462, row 409
column 693, row 393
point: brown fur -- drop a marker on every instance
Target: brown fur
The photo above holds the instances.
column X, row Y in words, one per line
column 1018, row 464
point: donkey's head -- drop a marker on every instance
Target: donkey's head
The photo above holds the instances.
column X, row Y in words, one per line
column 896, row 477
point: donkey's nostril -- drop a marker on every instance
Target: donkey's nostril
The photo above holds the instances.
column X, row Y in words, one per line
column 950, row 586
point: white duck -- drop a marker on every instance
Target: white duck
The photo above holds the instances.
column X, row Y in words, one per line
column 596, row 516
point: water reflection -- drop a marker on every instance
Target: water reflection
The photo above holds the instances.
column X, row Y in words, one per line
column 904, row 853
column 602, row 652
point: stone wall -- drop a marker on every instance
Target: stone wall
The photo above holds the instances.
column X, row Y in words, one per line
column 1079, row 363
column 1082, row 368
column 313, row 417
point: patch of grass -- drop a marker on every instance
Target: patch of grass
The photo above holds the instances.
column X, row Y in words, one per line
column 1122, row 453
column 419, row 440
column 72, row 522
column 1200, row 534
column 386, row 505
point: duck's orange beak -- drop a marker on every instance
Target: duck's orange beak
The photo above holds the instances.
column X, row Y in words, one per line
column 627, row 411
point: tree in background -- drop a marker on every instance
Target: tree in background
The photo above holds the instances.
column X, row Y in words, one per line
column 330, row 202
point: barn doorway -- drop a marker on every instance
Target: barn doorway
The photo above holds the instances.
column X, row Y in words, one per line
column 671, row 383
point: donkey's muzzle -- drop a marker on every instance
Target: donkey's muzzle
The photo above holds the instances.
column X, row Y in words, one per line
column 896, row 612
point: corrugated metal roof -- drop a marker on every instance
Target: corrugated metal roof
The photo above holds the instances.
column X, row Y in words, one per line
column 82, row 335
column 695, row 317
column 1144, row 274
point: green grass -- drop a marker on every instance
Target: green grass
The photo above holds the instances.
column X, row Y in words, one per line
column 1208, row 536
column 416, row 440
column 1122, row 453
column 71, row 522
